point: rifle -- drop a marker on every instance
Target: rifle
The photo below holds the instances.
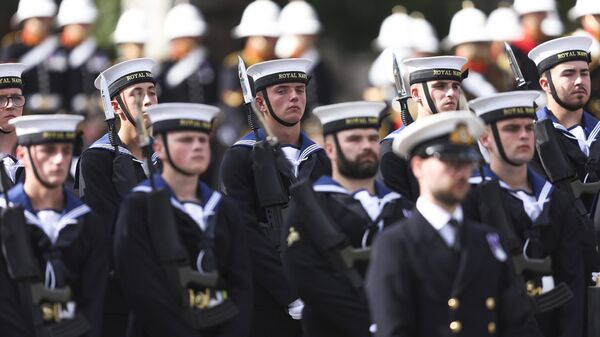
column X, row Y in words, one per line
column 269, row 164
column 557, row 168
column 43, row 304
column 401, row 93
column 171, row 253
column 493, row 213
column 328, row 239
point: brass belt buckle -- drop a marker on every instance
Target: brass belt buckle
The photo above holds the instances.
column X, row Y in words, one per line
column 200, row 299
column 50, row 312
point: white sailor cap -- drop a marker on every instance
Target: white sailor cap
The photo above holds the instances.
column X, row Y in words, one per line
column 424, row 69
column 564, row 49
column 533, row 6
column 268, row 73
column 76, row 12
column 584, row 7
column 41, row 129
column 260, row 18
column 505, row 105
column 184, row 20
column 10, row 75
column 132, row 27
column 35, row 9
column 167, row 117
column 349, row 115
column 448, row 136
column 126, row 73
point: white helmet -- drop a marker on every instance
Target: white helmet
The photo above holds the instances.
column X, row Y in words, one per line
column 584, row 7
column 552, row 25
column 423, row 37
column 394, row 30
column 299, row 18
column 184, row 20
column 523, row 7
column 35, row 9
column 467, row 25
column 260, row 18
column 76, row 11
column 503, row 25
column 132, row 27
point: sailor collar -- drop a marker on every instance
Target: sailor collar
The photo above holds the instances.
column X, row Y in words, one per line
column 326, row 184
column 394, row 133
column 590, row 124
column 104, row 143
column 307, row 146
column 209, row 198
column 542, row 189
column 73, row 209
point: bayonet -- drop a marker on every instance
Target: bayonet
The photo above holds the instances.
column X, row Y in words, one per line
column 514, row 66
column 401, row 93
column 248, row 97
column 109, row 114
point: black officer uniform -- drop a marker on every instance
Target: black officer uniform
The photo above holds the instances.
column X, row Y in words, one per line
column 553, row 232
column 332, row 305
column 272, row 293
column 68, row 245
column 156, row 309
column 422, row 282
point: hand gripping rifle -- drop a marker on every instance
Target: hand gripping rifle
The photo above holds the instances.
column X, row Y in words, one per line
column 42, row 303
column 401, row 93
column 494, row 214
column 269, row 166
column 172, row 255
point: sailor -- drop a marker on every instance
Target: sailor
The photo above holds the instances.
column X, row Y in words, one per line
column 85, row 60
column 188, row 75
column 565, row 78
column 280, row 87
column 438, row 273
column 62, row 239
column 259, row 27
column 434, row 87
column 587, row 13
column 105, row 176
column 37, row 48
column 537, row 212
column 131, row 34
column 358, row 205
column 11, row 106
column 208, row 230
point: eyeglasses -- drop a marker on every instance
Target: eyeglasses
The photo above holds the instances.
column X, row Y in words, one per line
column 17, row 100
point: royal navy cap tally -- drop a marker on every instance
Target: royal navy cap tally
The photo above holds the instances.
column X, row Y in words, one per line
column 349, row 115
column 167, row 117
column 448, row 136
column 424, row 69
column 10, row 75
column 126, row 73
column 564, row 49
column 505, row 105
column 268, row 73
column 41, row 129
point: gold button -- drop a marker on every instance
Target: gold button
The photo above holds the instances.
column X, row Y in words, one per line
column 453, row 303
column 455, row 326
column 491, row 327
column 490, row 303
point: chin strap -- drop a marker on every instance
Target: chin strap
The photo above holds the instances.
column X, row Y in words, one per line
column 428, row 98
column 125, row 110
column 500, row 146
column 36, row 173
column 272, row 113
column 557, row 99
column 171, row 162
